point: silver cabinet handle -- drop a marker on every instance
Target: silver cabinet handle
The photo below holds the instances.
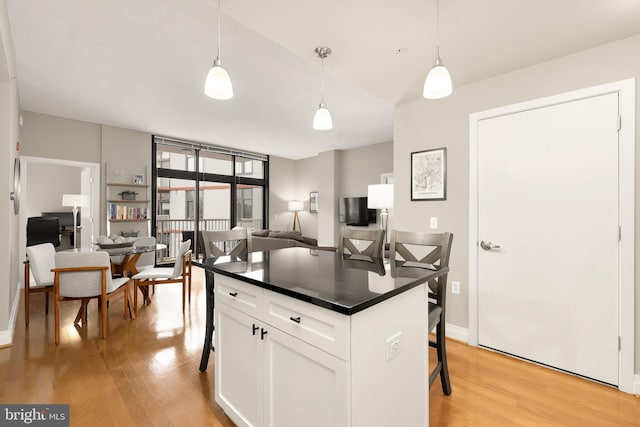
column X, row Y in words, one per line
column 488, row 246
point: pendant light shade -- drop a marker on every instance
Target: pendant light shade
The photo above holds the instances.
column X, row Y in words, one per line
column 438, row 82
column 322, row 119
column 218, row 84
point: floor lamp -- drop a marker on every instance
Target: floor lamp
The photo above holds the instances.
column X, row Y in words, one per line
column 74, row 201
column 380, row 196
column 295, row 207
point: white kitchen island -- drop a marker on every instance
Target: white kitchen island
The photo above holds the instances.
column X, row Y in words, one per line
column 308, row 338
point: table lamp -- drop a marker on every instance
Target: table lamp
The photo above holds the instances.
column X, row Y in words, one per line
column 296, row 206
column 74, row 201
column 380, row 196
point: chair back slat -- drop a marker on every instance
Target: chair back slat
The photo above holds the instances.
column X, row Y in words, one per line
column 439, row 253
column 375, row 237
column 230, row 242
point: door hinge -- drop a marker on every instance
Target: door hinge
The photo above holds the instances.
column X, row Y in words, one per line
column 619, row 233
column 619, row 123
column 619, row 343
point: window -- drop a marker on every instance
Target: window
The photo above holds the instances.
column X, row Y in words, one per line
column 199, row 187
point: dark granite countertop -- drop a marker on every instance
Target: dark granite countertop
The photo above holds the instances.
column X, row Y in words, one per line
column 346, row 284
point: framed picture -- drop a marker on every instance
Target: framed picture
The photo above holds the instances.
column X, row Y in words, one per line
column 313, row 202
column 138, row 178
column 429, row 174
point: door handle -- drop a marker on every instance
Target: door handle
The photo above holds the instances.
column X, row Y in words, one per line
column 488, row 246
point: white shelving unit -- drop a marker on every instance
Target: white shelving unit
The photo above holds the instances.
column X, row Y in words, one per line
column 127, row 215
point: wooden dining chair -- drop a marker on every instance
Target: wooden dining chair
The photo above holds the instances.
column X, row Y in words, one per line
column 179, row 273
column 40, row 260
column 351, row 239
column 219, row 243
column 428, row 250
column 83, row 276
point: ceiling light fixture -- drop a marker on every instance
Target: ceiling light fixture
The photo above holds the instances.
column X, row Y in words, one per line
column 322, row 119
column 438, row 82
column 218, row 83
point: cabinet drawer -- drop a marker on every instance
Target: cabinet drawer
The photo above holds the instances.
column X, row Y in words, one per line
column 315, row 325
column 237, row 294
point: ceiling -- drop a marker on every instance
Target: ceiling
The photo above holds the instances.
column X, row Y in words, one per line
column 141, row 64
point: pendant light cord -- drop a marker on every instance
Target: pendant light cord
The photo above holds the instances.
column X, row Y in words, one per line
column 437, row 28
column 322, row 78
column 218, row 29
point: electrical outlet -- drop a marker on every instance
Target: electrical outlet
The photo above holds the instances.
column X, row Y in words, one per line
column 393, row 346
column 433, row 222
column 455, row 287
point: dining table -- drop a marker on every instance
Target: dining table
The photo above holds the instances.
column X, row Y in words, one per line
column 124, row 258
column 126, row 266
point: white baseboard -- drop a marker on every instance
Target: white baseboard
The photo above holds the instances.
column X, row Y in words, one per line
column 6, row 336
column 636, row 385
column 457, row 332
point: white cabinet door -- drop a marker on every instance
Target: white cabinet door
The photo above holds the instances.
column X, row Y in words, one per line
column 304, row 386
column 238, row 355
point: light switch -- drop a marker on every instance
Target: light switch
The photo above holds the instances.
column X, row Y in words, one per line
column 433, row 222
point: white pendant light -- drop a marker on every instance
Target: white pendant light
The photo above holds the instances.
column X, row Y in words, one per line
column 218, row 84
column 438, row 82
column 322, row 119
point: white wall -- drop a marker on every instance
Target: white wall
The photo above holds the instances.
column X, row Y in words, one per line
column 9, row 151
column 282, row 189
column 423, row 124
column 47, row 183
column 53, row 137
column 334, row 174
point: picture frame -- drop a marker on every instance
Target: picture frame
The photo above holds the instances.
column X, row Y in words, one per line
column 313, row 202
column 138, row 178
column 429, row 174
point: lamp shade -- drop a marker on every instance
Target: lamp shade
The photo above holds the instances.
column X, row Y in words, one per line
column 438, row 82
column 322, row 119
column 72, row 200
column 296, row 206
column 218, row 84
column 380, row 196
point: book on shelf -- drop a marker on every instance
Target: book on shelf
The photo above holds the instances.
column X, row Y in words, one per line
column 122, row 212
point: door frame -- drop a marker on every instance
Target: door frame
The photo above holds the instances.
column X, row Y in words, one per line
column 90, row 190
column 626, row 208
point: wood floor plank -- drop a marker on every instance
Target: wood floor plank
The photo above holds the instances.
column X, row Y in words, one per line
column 146, row 374
column 491, row 389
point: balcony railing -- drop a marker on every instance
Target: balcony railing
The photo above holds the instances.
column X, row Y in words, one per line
column 172, row 232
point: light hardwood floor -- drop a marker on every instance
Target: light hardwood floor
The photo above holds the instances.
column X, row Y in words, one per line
column 146, row 374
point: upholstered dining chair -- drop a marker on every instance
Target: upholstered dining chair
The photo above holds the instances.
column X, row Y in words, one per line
column 350, row 238
column 83, row 276
column 147, row 259
column 219, row 243
column 179, row 273
column 428, row 250
column 40, row 261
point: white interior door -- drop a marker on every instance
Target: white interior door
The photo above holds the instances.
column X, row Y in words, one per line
column 548, row 196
